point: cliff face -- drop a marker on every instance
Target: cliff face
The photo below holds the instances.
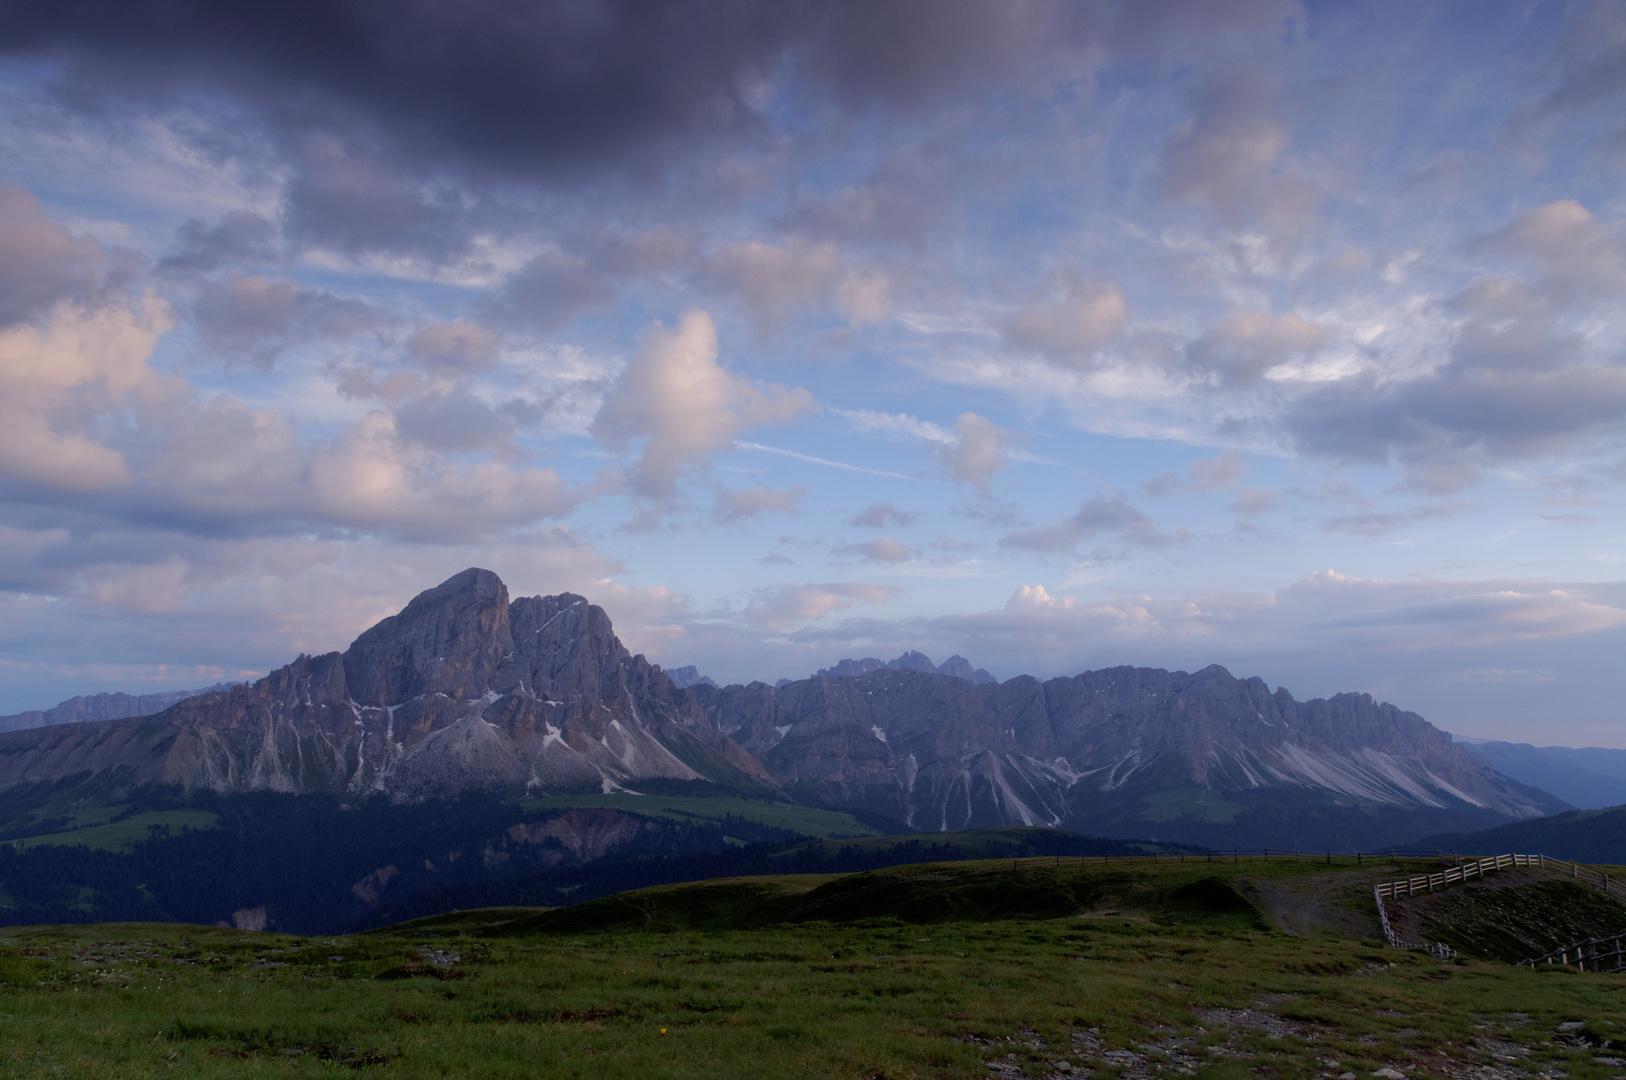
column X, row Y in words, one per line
column 462, row 689
column 1129, row 744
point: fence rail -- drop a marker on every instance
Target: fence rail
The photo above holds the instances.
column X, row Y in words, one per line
column 1591, row 952
column 1427, row 883
column 1478, row 868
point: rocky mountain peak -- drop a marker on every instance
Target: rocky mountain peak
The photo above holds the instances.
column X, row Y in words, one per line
column 450, row 640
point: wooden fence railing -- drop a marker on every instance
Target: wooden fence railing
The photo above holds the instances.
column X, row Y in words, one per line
column 1589, row 955
column 1479, row 867
column 1427, row 883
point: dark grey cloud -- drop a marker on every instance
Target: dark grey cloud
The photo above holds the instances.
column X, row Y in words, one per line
column 586, row 273
column 535, row 87
column 350, row 199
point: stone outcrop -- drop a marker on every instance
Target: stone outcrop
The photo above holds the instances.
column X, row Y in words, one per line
column 461, row 690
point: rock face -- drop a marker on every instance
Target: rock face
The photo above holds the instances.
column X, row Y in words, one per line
column 462, row 689
column 1126, row 751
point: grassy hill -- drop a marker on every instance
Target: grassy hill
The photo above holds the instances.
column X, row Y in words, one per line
column 1047, row 968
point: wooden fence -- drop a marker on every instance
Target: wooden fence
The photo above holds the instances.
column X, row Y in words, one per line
column 1427, row 883
column 1589, row 955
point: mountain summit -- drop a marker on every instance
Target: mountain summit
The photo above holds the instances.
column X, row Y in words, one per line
column 467, row 690
column 462, row 689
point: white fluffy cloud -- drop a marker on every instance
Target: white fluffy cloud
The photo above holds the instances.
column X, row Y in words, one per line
column 684, row 405
column 56, row 381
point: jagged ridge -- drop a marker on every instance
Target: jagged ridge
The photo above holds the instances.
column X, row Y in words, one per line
column 462, row 689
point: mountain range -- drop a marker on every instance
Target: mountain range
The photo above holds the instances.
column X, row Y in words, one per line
column 113, row 706
column 1590, row 777
column 467, row 690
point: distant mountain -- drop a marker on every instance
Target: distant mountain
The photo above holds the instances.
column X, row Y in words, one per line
column 114, row 706
column 685, row 677
column 1588, row 836
column 957, row 666
column 462, row 690
column 1589, row 778
column 1199, row 758
column 465, row 690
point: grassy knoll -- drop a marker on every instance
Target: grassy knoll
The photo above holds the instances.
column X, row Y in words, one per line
column 929, row 972
column 807, row 820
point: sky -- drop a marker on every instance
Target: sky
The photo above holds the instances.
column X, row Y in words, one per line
column 1288, row 337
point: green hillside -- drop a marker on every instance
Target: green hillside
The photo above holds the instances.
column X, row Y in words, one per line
column 1046, row 968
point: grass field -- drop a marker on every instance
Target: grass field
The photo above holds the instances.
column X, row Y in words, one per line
column 1175, row 969
column 806, row 820
column 120, row 835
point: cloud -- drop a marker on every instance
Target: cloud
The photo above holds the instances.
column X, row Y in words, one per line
column 1521, row 379
column 1212, row 474
column 1036, row 598
column 453, row 346
column 239, row 236
column 773, row 609
column 58, row 381
column 878, row 515
column 453, row 420
column 553, row 88
column 882, row 550
column 1241, row 348
column 1380, row 523
column 897, row 424
column 256, row 318
column 1087, row 315
column 1588, row 57
column 1098, row 516
column 685, row 407
column 551, row 289
column 1579, row 258
column 1232, row 143
column 87, row 421
column 980, row 449
column 1206, row 474
column 1392, row 615
column 742, row 503
column 40, row 262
